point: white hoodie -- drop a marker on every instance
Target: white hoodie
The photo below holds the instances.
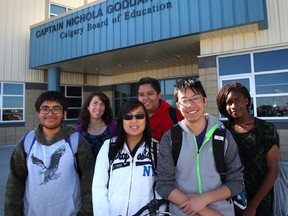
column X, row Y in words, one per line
column 130, row 184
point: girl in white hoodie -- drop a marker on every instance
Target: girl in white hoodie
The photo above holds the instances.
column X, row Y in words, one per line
column 125, row 184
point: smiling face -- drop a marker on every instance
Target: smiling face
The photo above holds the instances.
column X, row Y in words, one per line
column 236, row 104
column 51, row 120
column 193, row 111
column 148, row 96
column 96, row 108
column 135, row 127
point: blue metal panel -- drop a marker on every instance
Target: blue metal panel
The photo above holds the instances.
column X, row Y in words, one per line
column 165, row 27
column 147, row 26
column 194, row 16
column 156, row 26
column 204, row 12
column 113, row 40
column 241, row 11
column 131, row 31
column 228, row 13
column 117, row 24
column 123, row 32
column 216, row 21
column 139, row 28
column 174, row 26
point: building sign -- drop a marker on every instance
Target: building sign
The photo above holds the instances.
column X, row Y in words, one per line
column 117, row 24
column 99, row 17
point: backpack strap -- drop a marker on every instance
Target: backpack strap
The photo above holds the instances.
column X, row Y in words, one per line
column 154, row 153
column 173, row 114
column 113, row 150
column 154, row 149
column 112, row 153
column 28, row 141
column 73, row 141
column 176, row 137
column 218, row 142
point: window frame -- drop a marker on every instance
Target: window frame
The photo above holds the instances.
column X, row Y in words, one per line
column 2, row 109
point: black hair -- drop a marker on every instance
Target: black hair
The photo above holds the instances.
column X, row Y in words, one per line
column 222, row 95
column 125, row 109
column 84, row 116
column 53, row 96
column 189, row 83
column 152, row 81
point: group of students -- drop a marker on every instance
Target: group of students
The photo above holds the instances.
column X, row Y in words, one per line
column 112, row 168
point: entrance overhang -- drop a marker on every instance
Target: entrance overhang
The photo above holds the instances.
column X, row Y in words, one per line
column 107, row 39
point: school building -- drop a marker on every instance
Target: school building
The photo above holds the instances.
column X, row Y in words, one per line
column 81, row 46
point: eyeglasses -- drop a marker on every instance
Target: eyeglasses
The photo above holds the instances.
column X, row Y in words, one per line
column 186, row 101
column 55, row 110
column 137, row 116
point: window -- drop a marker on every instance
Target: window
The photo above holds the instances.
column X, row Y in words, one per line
column 272, row 60
column 123, row 93
column 267, row 81
column 126, row 92
column 12, row 102
column 235, row 65
column 167, row 90
column 74, row 96
column 57, row 9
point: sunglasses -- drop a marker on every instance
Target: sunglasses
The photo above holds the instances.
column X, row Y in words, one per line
column 137, row 116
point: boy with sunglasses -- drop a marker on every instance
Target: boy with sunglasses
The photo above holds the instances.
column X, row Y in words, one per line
column 193, row 185
column 51, row 168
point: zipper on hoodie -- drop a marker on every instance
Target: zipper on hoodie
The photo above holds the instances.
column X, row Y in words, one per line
column 131, row 177
column 207, row 138
column 199, row 181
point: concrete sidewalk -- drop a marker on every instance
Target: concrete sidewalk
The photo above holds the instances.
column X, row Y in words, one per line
column 5, row 153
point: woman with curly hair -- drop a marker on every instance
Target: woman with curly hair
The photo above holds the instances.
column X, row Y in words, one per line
column 258, row 144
